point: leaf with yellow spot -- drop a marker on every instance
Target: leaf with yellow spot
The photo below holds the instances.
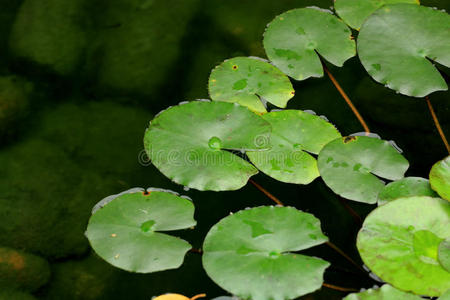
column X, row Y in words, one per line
column 250, row 81
column 125, row 231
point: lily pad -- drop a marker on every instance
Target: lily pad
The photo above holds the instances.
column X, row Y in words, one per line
column 245, row 80
column 350, row 166
column 395, row 46
column 126, row 231
column 258, row 244
column 355, row 12
column 405, row 187
column 294, row 39
column 386, row 292
column 294, row 134
column 399, row 242
column 188, row 144
column 444, row 254
column 440, row 178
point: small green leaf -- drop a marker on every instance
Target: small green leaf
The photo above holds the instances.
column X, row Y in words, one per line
column 444, row 254
column 293, row 39
column 355, row 12
column 125, row 231
column 350, row 166
column 399, row 242
column 294, row 133
column 188, row 144
column 405, row 187
column 386, row 292
column 249, row 253
column 440, row 178
column 245, row 80
column 395, row 45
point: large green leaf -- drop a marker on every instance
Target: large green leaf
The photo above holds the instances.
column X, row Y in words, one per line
column 444, row 254
column 125, row 231
column 440, row 178
column 395, row 43
column 293, row 39
column 247, row 79
column 399, row 242
column 386, row 292
column 350, row 166
column 187, row 144
column 355, row 12
column 250, row 254
column 405, row 187
column 294, row 133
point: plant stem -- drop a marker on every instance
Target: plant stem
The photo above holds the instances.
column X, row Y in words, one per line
column 266, row 192
column 197, row 251
column 438, row 126
column 354, row 214
column 346, row 98
column 342, row 253
column 338, row 288
column 198, row 296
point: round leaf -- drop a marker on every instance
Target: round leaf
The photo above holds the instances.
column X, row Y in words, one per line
column 125, row 231
column 294, row 133
column 257, row 244
column 355, row 12
column 440, row 178
column 293, row 39
column 187, row 144
column 405, row 187
column 395, row 43
column 350, row 166
column 444, row 254
column 245, row 79
column 399, row 242
column 386, row 292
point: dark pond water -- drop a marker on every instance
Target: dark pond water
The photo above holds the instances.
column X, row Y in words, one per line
column 79, row 82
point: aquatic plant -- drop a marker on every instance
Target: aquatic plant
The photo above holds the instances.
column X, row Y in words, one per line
column 219, row 145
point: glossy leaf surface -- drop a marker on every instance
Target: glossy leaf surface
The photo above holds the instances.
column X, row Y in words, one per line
column 188, row 144
column 355, row 12
column 444, row 254
column 126, row 231
column 395, row 46
column 386, row 292
column 350, row 166
column 245, row 80
column 405, row 187
column 440, row 178
column 293, row 39
column 295, row 134
column 250, row 254
column 399, row 242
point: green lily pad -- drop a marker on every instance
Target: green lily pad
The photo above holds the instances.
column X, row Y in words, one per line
column 444, row 254
column 395, row 43
column 386, row 292
column 399, row 242
column 350, row 166
column 440, row 178
column 355, row 12
column 445, row 296
column 187, row 144
column 126, row 231
column 245, row 80
column 294, row 133
column 405, row 187
column 258, row 244
column 293, row 39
